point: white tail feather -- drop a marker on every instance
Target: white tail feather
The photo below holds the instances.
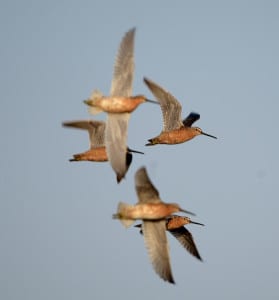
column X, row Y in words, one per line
column 96, row 94
column 122, row 212
column 94, row 110
column 126, row 222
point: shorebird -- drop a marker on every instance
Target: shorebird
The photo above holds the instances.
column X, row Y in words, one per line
column 175, row 225
column 175, row 131
column 97, row 151
column 152, row 211
column 119, row 104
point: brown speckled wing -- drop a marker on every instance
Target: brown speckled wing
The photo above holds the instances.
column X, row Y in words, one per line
column 96, row 130
column 170, row 107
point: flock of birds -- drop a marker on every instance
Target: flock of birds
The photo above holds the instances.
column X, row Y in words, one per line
column 108, row 142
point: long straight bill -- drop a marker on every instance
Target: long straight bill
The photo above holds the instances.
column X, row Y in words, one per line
column 187, row 212
column 212, row 136
column 134, row 151
column 197, row 223
column 151, row 101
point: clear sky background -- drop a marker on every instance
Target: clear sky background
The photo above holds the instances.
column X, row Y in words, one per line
column 219, row 58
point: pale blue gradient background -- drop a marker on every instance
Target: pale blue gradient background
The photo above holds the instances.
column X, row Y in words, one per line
column 219, row 58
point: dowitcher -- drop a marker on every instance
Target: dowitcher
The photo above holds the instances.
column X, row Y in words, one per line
column 119, row 104
column 152, row 211
column 97, row 151
column 175, row 225
column 175, row 131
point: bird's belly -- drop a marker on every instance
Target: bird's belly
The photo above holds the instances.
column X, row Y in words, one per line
column 175, row 137
column 117, row 104
column 150, row 211
column 96, row 154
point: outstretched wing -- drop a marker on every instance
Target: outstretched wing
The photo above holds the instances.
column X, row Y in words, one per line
column 96, row 130
column 155, row 239
column 186, row 240
column 170, row 107
column 116, row 143
column 122, row 81
column 146, row 191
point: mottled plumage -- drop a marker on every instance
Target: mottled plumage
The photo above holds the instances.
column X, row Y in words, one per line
column 97, row 151
column 124, row 66
column 152, row 211
column 175, row 225
column 118, row 105
column 175, row 130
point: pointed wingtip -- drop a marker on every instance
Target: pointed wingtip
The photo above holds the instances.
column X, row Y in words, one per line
column 146, row 80
column 133, row 29
column 171, row 280
column 119, row 177
column 197, row 255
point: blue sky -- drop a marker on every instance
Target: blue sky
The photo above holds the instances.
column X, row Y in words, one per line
column 219, row 58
